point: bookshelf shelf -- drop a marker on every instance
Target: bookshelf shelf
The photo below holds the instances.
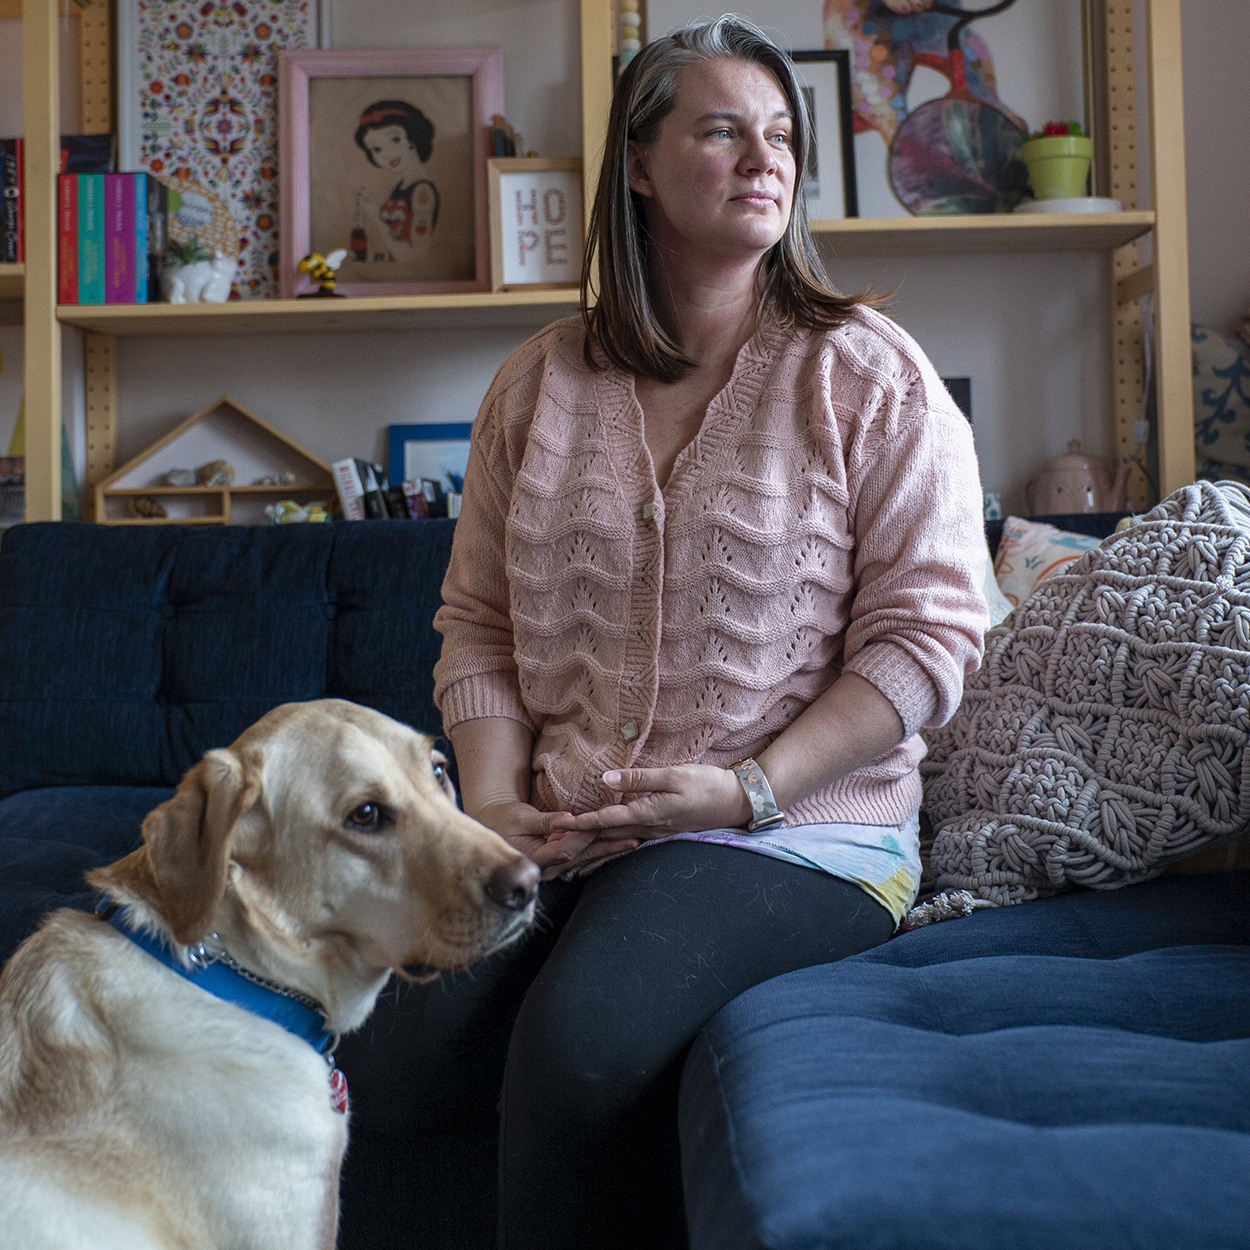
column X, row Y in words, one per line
column 990, row 232
column 165, row 520
column 292, row 488
column 12, row 281
column 304, row 316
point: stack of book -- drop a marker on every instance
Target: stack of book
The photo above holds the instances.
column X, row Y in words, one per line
column 365, row 494
column 111, row 235
column 79, row 154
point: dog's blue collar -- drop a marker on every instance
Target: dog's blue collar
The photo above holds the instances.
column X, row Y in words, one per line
column 232, row 984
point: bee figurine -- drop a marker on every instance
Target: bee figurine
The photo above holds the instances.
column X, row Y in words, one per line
column 321, row 270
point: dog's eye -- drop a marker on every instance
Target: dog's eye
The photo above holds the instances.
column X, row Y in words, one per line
column 366, row 816
column 440, row 774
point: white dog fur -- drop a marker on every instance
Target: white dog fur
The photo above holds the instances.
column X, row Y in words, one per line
column 138, row 1111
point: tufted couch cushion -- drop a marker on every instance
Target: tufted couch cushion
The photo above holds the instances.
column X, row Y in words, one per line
column 143, row 649
column 1104, row 736
column 1072, row 1074
column 50, row 838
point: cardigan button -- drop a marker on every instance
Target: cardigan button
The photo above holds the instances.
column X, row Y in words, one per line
column 629, row 730
column 648, row 510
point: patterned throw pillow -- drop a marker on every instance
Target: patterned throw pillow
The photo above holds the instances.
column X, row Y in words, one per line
column 1105, row 735
column 1221, row 404
column 1032, row 550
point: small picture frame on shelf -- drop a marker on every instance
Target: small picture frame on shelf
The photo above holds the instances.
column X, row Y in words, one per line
column 436, row 450
column 536, row 218
column 825, row 79
column 383, row 153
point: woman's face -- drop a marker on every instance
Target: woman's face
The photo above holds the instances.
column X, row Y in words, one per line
column 719, row 177
column 389, row 147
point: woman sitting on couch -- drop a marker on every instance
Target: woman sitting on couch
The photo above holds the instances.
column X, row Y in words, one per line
column 719, row 559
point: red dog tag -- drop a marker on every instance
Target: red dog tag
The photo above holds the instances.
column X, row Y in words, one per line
column 338, row 1091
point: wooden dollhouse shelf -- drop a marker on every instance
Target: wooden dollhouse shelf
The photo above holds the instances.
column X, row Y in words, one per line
column 990, row 232
column 164, row 520
column 314, row 316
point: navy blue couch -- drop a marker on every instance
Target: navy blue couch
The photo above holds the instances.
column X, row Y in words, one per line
column 1069, row 1073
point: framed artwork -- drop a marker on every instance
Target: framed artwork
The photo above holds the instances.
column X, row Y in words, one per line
column 438, row 450
column 197, row 105
column 1020, row 65
column 383, row 154
column 535, row 222
column 825, row 78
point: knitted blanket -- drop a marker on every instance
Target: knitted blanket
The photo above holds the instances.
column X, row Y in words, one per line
column 1104, row 736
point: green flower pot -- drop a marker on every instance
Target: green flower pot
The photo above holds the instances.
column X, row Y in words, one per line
column 1058, row 165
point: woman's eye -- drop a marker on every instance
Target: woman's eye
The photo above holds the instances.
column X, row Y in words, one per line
column 366, row 816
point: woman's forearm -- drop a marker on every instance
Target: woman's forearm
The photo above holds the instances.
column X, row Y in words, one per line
column 850, row 725
column 493, row 759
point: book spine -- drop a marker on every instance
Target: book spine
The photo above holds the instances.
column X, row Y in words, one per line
column 67, row 239
column 20, row 145
column 139, row 209
column 396, row 504
column 158, row 225
column 90, row 238
column 8, row 154
column 119, row 239
column 374, row 500
column 418, row 509
column 350, row 493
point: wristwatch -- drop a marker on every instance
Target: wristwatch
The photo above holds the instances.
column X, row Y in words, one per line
column 765, row 814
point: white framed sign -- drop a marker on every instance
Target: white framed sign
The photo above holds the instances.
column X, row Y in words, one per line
column 535, row 222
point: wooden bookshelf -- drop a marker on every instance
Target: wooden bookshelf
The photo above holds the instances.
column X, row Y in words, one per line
column 305, row 316
column 990, row 232
column 1114, row 235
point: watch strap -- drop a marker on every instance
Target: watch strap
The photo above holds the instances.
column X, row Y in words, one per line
column 765, row 814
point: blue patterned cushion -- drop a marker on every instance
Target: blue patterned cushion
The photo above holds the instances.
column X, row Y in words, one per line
column 1221, row 405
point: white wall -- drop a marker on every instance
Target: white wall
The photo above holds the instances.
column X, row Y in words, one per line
column 1216, row 51
column 1029, row 330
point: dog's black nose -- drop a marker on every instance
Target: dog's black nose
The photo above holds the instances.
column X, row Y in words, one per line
column 514, row 885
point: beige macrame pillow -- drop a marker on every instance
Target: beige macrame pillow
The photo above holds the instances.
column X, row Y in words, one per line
column 1104, row 736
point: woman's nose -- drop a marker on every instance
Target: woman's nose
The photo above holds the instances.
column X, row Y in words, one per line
column 760, row 156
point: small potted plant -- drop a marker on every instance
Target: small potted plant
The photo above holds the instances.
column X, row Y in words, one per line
column 1058, row 159
column 193, row 275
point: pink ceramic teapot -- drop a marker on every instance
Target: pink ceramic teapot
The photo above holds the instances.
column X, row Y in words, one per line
column 1076, row 483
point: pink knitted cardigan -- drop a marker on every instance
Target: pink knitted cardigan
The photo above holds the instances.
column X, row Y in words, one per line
column 827, row 516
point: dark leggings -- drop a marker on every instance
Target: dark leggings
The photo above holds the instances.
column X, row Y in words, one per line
column 607, row 993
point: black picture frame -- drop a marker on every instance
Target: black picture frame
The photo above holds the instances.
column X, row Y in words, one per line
column 814, row 66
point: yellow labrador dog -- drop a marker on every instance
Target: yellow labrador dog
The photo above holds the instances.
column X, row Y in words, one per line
column 143, row 1107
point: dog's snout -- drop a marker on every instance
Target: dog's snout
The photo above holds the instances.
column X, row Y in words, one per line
column 513, row 885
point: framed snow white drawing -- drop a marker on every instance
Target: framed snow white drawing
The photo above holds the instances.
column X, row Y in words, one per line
column 383, row 154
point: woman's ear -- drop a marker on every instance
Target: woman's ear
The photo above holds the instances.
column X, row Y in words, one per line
column 636, row 169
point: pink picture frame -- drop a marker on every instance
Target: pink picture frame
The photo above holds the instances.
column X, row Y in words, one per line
column 383, row 153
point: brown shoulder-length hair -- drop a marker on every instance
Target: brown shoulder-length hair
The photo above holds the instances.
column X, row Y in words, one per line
column 620, row 318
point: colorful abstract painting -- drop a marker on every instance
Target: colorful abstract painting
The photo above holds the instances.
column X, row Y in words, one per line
column 205, row 87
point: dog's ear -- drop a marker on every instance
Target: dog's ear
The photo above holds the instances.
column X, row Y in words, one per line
column 189, row 838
